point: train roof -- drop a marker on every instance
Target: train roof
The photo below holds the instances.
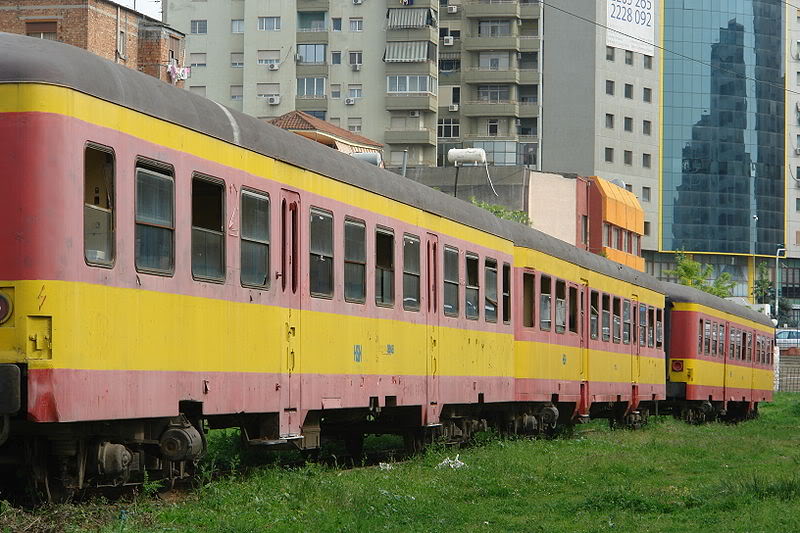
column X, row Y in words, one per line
column 684, row 294
column 31, row 60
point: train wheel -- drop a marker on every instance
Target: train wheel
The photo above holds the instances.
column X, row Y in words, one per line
column 44, row 483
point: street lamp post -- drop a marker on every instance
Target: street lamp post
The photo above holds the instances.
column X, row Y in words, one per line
column 777, row 277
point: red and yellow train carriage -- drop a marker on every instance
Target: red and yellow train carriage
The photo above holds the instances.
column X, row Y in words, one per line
column 720, row 356
column 167, row 264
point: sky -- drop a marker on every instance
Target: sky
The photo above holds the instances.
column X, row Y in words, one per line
column 148, row 7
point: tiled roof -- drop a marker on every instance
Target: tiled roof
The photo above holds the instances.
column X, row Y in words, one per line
column 297, row 120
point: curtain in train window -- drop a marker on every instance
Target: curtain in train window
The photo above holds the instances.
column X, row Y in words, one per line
column 384, row 267
column 355, row 261
column 320, row 268
column 98, row 206
column 410, row 272
column 155, row 221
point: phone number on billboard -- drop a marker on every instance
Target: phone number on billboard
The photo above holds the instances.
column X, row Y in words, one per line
column 636, row 11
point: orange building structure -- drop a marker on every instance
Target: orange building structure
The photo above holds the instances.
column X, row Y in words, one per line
column 616, row 223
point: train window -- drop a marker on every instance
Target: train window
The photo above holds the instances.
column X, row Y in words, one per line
column 450, row 281
column 617, row 310
column 490, row 293
column 713, row 338
column 320, row 271
column 506, row 293
column 659, row 328
column 642, row 324
column 573, row 309
column 732, row 345
column 528, row 299
column 545, row 289
column 355, row 261
column 410, row 273
column 155, row 221
column 626, row 322
column 98, row 206
column 561, row 306
column 384, row 267
column 739, row 345
column 255, row 240
column 758, row 349
column 707, row 337
column 650, row 326
column 749, row 346
column 208, row 237
column 700, row 336
column 606, row 318
column 472, row 294
column 594, row 314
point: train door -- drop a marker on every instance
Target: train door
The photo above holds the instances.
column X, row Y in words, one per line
column 583, row 334
column 432, row 329
column 289, row 284
column 726, row 357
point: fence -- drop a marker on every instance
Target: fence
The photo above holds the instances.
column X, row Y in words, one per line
column 788, row 377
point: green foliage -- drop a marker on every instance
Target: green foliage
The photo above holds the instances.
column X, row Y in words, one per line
column 690, row 272
column 762, row 287
column 503, row 212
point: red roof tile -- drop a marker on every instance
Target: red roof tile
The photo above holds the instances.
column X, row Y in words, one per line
column 297, row 120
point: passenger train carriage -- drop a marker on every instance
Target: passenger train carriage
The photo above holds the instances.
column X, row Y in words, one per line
column 169, row 265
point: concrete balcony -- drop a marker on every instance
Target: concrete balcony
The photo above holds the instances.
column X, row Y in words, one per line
column 421, row 136
column 450, row 78
column 490, row 109
column 478, row 75
column 308, row 70
column 313, row 5
column 410, row 101
column 312, row 37
column 422, row 67
column 528, row 76
column 528, row 109
column 482, row 42
column 493, row 9
column 530, row 11
column 305, row 103
column 413, row 34
column 529, row 44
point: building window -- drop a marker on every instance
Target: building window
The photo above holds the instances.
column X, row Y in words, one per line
column 237, row 26
column 208, row 236
column 647, row 127
column 336, row 58
column 609, row 121
column 457, row 96
column 628, row 124
column 411, row 273
column 448, row 128
column 311, row 53
column 354, row 124
column 198, row 26
column 648, row 62
column 98, row 206
column 356, row 58
column 320, row 270
column 155, row 221
column 355, row 261
column 494, row 28
column 237, row 59
column 490, row 292
column 609, row 155
column 450, row 281
column 797, row 204
column 411, row 84
column 357, row 24
column 268, row 57
column 43, row 30
column 647, row 94
column 336, row 90
column 311, row 87
column 628, row 57
column 122, row 42
column 646, row 227
column 646, row 160
column 384, row 267
column 254, row 270
column 236, row 92
column 645, row 194
column 494, row 93
column 627, row 157
column 336, row 24
column 268, row 90
column 355, row 90
column 197, row 60
column 492, row 127
column 472, row 292
column 610, row 87
column 269, row 23
column 609, row 53
column 628, row 90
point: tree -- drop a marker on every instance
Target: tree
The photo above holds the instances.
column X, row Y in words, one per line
column 503, row 212
column 690, row 272
column 762, row 286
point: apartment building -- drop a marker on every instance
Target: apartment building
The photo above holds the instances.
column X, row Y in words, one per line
column 490, row 79
column 364, row 65
column 105, row 28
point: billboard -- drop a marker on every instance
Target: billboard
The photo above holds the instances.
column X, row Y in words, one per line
column 631, row 25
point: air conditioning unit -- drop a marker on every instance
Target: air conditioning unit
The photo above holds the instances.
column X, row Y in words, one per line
column 273, row 66
column 274, row 100
column 414, row 113
column 452, row 9
column 448, row 40
column 357, row 2
column 797, row 151
column 356, row 67
column 349, row 101
column 453, row 107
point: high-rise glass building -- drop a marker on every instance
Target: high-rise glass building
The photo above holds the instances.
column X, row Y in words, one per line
column 723, row 127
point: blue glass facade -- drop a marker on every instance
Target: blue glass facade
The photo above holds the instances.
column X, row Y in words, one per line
column 723, row 131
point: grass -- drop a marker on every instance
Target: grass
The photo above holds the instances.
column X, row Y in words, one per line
column 667, row 477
